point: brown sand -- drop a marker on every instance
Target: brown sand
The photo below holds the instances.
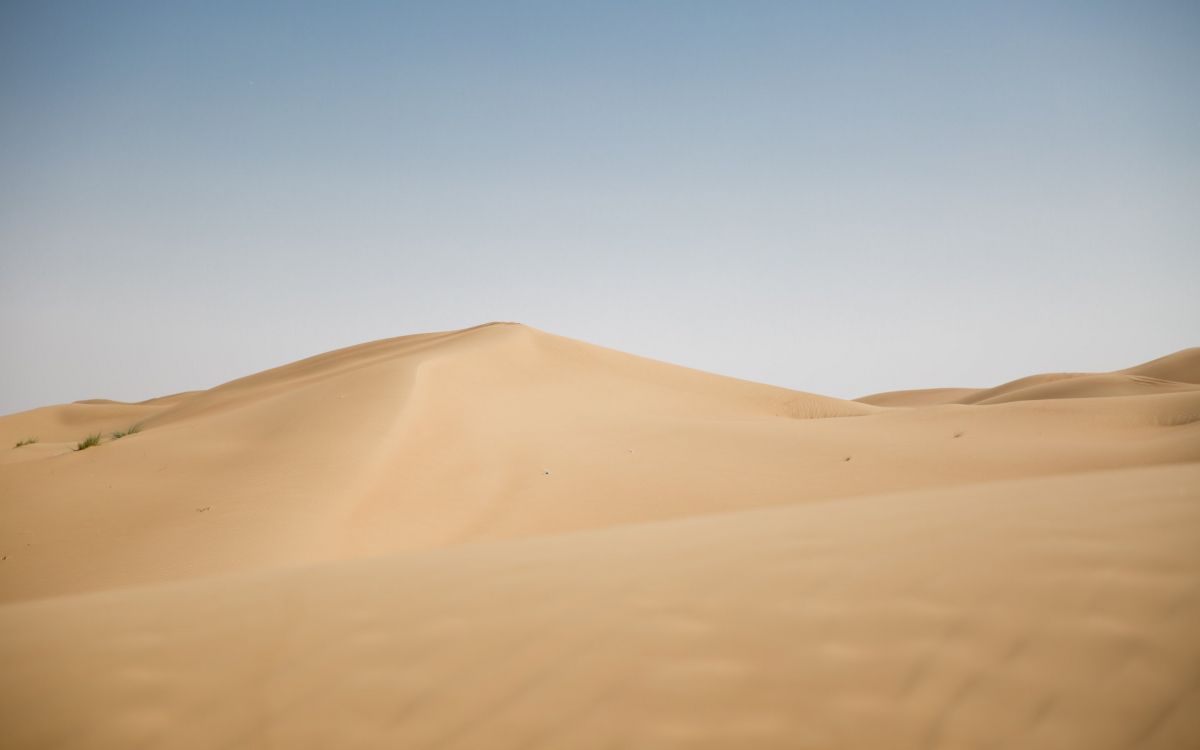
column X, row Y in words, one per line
column 499, row 538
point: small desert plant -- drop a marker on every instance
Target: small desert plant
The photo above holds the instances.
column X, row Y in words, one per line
column 26, row 441
column 127, row 431
column 88, row 442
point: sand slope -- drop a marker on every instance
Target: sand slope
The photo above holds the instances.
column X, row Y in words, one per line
column 918, row 397
column 498, row 537
column 1045, row 613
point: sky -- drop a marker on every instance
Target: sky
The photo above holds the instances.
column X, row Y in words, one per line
column 841, row 198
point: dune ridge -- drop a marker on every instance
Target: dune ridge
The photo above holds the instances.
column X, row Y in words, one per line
column 1173, row 373
column 499, row 537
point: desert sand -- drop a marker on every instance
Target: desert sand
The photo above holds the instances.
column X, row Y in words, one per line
column 501, row 538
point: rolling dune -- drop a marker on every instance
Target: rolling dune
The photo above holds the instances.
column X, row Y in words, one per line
column 498, row 537
column 1173, row 373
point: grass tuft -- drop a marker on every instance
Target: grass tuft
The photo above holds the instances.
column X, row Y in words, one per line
column 26, row 441
column 88, row 442
column 127, row 431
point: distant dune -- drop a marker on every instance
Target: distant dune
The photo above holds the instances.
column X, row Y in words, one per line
column 498, row 537
column 1173, row 373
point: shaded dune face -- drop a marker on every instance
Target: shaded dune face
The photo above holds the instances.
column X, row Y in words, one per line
column 498, row 537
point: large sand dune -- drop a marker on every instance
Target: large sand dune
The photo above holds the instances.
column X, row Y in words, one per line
column 498, row 537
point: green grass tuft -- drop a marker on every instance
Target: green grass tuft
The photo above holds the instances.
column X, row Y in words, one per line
column 88, row 442
column 26, row 441
column 127, row 431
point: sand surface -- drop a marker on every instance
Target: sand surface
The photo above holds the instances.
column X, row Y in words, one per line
column 498, row 537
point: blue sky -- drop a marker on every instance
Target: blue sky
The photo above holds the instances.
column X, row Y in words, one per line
column 843, row 198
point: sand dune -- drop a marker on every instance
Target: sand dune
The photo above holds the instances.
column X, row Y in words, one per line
column 1173, row 373
column 1086, row 386
column 918, row 397
column 1181, row 367
column 498, row 537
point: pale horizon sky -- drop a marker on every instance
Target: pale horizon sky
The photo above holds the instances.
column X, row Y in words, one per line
column 840, row 199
